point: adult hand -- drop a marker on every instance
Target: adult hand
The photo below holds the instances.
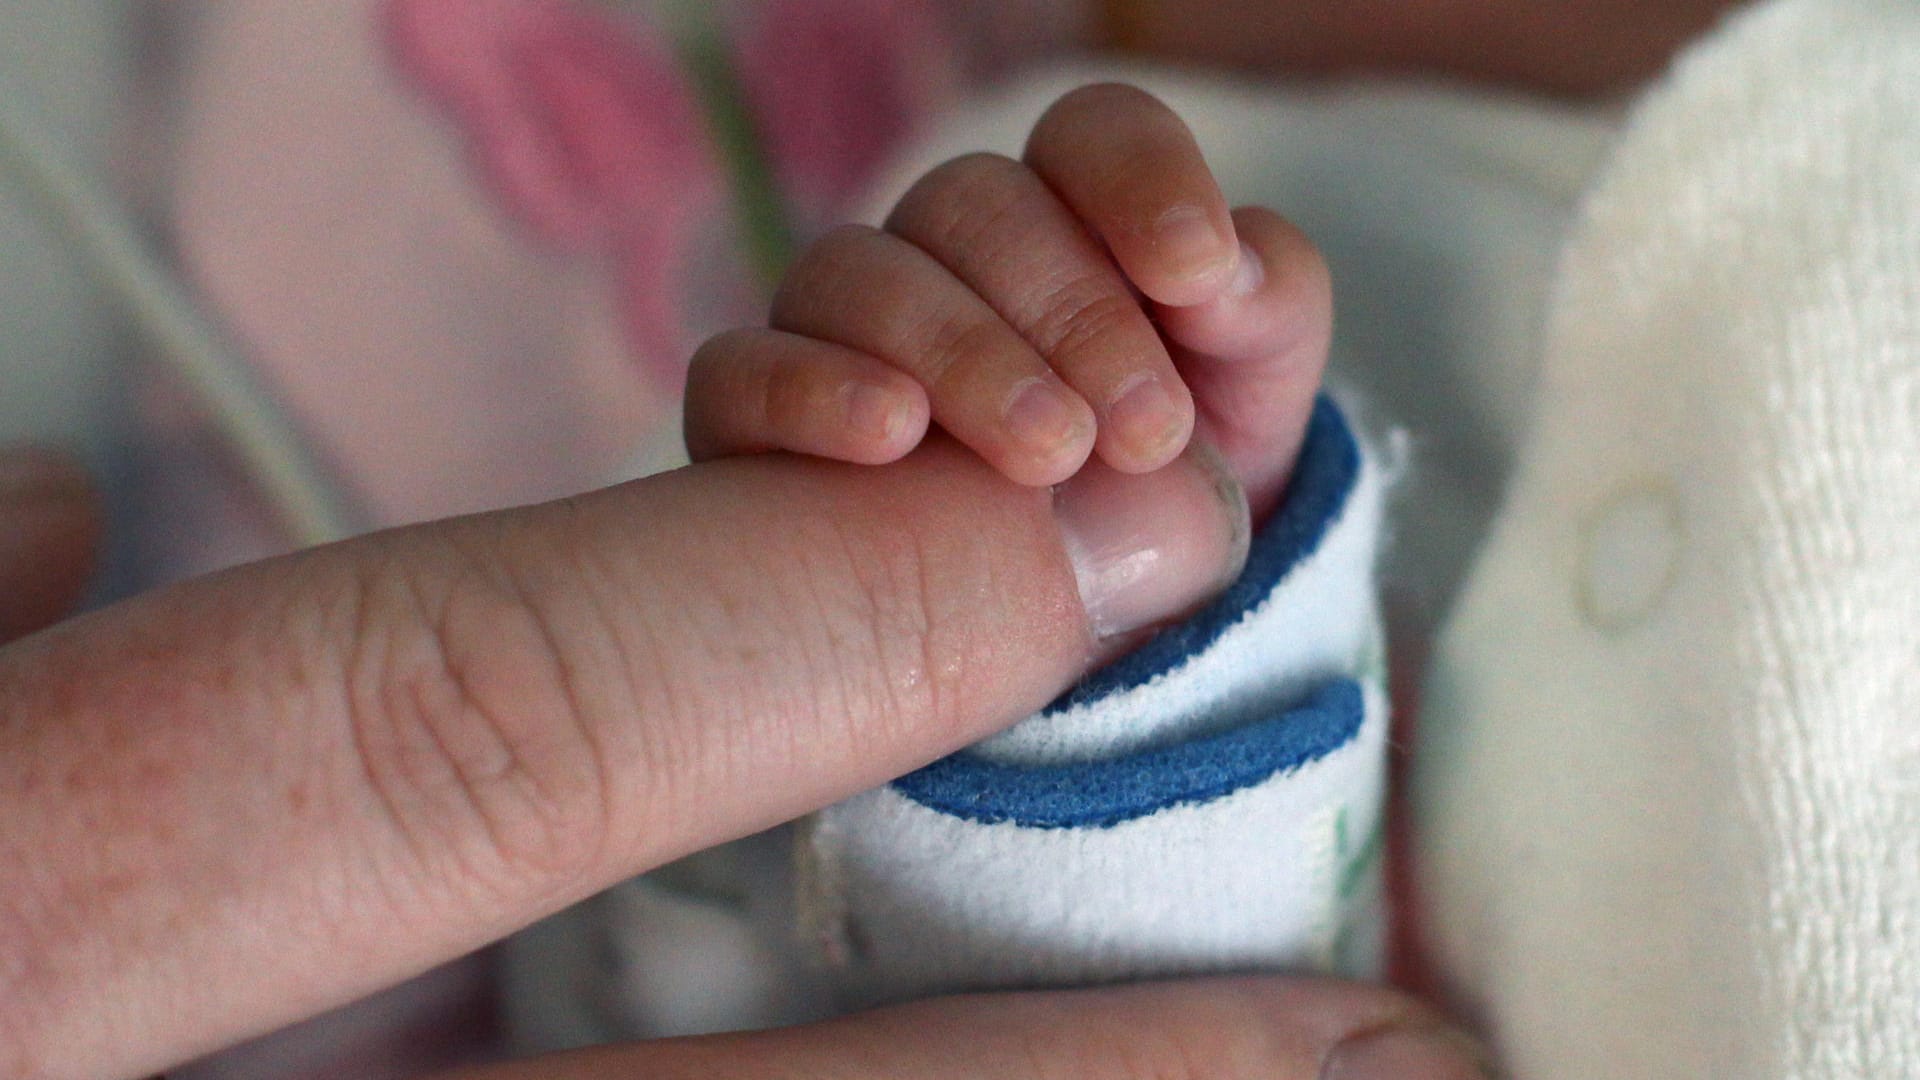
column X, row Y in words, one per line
column 237, row 802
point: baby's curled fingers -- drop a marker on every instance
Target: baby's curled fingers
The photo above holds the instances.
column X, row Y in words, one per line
column 1130, row 169
column 1254, row 356
column 998, row 228
column 876, row 293
column 754, row 389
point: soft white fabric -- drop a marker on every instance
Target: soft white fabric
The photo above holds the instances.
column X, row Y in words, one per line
column 1283, row 876
column 1670, row 765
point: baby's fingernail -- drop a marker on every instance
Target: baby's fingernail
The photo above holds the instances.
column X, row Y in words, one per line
column 1040, row 416
column 1430, row 1053
column 1192, row 247
column 1248, row 273
column 1147, row 419
column 876, row 412
column 1149, row 548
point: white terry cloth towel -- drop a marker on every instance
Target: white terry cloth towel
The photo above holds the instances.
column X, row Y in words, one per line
column 1669, row 773
column 1211, row 802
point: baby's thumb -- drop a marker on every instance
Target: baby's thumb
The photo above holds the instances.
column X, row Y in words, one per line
column 49, row 529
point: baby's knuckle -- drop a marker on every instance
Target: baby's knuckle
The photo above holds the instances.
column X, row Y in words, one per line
column 1084, row 315
column 713, row 364
column 842, row 245
column 826, row 275
column 964, row 199
column 792, row 396
column 1195, row 1042
column 954, row 345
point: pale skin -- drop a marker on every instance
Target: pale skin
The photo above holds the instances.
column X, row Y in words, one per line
column 236, row 802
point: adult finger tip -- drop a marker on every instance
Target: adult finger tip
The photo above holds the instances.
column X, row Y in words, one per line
column 1148, row 548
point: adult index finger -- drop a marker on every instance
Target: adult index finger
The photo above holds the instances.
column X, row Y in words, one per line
column 236, row 802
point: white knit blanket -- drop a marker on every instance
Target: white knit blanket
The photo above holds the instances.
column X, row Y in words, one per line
column 1670, row 773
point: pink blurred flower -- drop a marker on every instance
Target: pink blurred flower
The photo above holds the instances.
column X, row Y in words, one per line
column 836, row 85
column 588, row 133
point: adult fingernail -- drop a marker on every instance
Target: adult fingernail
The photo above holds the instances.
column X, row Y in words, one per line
column 1408, row 1053
column 33, row 476
column 1192, row 247
column 1149, row 548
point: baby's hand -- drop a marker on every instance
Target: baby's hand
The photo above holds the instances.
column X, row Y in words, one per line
column 1095, row 297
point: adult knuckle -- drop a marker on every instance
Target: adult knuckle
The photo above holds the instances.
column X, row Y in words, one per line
column 468, row 728
column 916, row 674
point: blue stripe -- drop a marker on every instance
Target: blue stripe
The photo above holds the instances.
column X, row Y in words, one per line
column 1102, row 794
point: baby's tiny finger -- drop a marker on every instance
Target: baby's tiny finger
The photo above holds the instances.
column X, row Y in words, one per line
column 874, row 292
column 753, row 390
column 1129, row 167
column 1254, row 356
column 997, row 228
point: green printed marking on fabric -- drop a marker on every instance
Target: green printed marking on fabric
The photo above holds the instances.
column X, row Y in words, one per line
column 1354, row 865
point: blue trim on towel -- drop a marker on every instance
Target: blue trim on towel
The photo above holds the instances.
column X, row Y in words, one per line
column 1102, row 794
column 1323, row 480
